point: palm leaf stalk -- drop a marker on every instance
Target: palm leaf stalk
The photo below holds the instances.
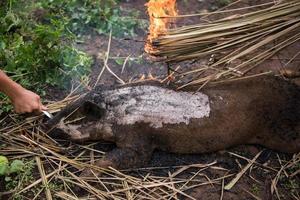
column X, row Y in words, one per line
column 241, row 42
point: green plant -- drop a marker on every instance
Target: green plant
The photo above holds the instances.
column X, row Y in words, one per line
column 37, row 44
column 37, row 53
column 42, row 54
column 98, row 15
column 17, row 173
column 20, row 178
column 3, row 165
column 56, row 186
column 291, row 183
column 255, row 189
column 130, row 60
column 7, row 169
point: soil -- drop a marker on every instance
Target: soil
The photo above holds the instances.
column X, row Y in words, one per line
column 255, row 183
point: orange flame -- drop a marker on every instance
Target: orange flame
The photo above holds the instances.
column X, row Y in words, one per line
column 159, row 12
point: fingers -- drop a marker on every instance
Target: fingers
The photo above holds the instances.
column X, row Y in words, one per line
column 37, row 112
column 40, row 107
column 21, row 108
column 26, row 101
column 44, row 107
column 36, row 106
column 29, row 105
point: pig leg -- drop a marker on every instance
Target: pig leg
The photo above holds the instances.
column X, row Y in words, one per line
column 121, row 158
column 287, row 144
column 287, row 141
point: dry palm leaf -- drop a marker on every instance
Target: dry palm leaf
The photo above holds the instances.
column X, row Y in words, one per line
column 241, row 42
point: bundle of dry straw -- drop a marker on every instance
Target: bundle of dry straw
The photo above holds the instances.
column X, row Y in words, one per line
column 241, row 42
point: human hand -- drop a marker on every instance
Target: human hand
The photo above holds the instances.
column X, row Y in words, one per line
column 25, row 101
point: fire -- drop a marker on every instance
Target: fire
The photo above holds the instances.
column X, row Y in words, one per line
column 159, row 12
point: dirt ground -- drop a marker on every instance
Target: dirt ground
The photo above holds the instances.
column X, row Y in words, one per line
column 256, row 182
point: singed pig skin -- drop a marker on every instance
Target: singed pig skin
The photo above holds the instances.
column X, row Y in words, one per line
column 142, row 117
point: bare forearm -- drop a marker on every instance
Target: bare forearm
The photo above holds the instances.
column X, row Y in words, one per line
column 23, row 100
column 8, row 86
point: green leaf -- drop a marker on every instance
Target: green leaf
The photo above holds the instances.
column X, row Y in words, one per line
column 16, row 166
column 3, row 170
column 119, row 61
column 3, row 160
column 2, row 45
column 3, row 165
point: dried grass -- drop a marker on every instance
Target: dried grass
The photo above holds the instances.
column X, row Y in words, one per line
column 239, row 43
column 63, row 163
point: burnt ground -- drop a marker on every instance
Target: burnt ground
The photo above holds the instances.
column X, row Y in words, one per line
column 256, row 182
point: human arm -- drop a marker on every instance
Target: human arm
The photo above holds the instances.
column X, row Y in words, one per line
column 23, row 100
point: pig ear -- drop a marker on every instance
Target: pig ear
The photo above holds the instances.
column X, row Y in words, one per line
column 93, row 109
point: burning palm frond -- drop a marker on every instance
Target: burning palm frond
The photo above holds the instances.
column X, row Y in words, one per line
column 240, row 42
column 159, row 25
